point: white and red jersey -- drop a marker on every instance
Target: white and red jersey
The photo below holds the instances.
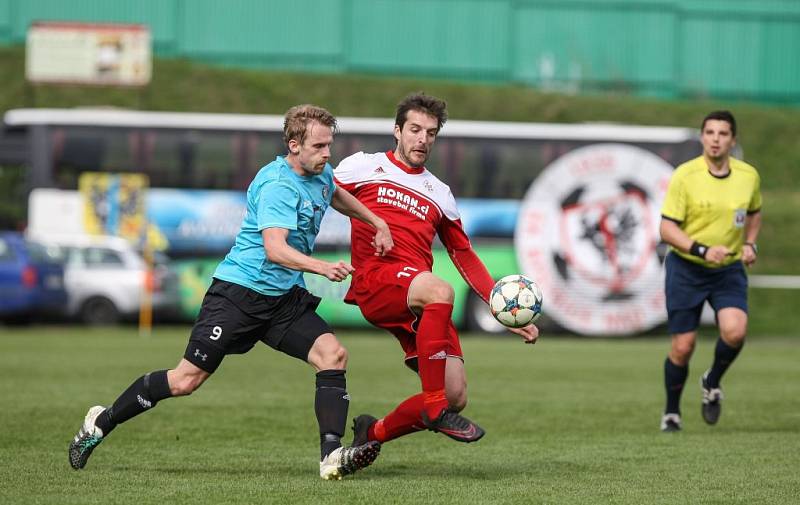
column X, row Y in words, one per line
column 417, row 206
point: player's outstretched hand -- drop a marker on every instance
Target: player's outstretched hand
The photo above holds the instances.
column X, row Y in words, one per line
column 338, row 271
column 382, row 241
column 529, row 333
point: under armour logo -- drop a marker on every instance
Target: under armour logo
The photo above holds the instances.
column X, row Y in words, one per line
column 405, row 273
column 202, row 356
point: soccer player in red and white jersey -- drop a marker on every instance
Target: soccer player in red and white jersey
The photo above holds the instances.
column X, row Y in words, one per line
column 398, row 292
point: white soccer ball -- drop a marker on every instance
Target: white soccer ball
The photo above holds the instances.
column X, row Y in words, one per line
column 516, row 301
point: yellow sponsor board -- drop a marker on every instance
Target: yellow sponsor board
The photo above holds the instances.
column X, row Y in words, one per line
column 114, row 204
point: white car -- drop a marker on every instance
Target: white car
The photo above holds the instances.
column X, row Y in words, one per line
column 105, row 278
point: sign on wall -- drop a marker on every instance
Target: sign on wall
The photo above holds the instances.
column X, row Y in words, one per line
column 114, row 204
column 587, row 232
column 85, row 53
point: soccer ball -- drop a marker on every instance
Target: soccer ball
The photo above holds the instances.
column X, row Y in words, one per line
column 516, row 301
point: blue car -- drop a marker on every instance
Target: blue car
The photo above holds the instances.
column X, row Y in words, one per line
column 31, row 280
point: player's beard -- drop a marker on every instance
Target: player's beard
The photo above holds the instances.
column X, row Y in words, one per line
column 414, row 159
column 315, row 169
column 719, row 155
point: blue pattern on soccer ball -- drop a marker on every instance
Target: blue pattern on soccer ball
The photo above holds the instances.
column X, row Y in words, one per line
column 512, row 308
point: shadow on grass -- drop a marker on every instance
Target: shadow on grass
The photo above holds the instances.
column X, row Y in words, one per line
column 474, row 469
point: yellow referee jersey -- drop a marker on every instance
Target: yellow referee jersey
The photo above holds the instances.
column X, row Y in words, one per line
column 712, row 210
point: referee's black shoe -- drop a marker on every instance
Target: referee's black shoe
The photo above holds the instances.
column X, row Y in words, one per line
column 671, row 422
column 712, row 401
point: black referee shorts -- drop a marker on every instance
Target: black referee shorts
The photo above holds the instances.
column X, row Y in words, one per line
column 233, row 318
column 688, row 285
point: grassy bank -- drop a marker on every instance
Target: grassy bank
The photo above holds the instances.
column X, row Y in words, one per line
column 768, row 133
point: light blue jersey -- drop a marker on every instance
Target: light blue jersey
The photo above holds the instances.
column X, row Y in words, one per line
column 277, row 198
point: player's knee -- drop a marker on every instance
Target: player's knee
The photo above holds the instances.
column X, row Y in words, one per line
column 334, row 357
column 327, row 353
column 682, row 351
column 440, row 292
column 341, row 358
column 733, row 335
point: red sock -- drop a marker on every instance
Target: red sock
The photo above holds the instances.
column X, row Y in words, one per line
column 404, row 419
column 432, row 355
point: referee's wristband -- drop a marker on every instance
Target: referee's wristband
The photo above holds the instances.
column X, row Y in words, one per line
column 753, row 246
column 698, row 249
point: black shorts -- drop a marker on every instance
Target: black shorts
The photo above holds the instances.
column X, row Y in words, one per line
column 689, row 285
column 233, row 318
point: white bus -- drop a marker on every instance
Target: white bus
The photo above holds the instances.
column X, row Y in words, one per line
column 490, row 167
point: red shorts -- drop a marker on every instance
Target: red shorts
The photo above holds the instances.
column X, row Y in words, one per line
column 381, row 292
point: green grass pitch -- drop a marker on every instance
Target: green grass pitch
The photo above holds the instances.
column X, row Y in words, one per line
column 568, row 421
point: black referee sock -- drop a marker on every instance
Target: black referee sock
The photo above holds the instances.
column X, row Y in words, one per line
column 723, row 357
column 674, row 379
column 143, row 394
column 330, row 404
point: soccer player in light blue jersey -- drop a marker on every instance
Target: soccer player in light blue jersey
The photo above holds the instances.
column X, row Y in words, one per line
column 258, row 294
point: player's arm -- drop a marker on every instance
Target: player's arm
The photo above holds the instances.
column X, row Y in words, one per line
column 473, row 271
column 276, row 214
column 280, row 252
column 350, row 206
column 672, row 234
column 752, row 225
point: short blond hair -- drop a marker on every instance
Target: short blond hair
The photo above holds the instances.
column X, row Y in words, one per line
column 297, row 119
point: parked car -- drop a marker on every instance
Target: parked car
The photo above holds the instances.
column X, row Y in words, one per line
column 31, row 280
column 105, row 278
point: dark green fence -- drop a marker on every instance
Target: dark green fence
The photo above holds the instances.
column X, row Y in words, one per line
column 730, row 49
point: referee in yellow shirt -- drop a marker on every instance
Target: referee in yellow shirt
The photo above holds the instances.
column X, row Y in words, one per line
column 710, row 218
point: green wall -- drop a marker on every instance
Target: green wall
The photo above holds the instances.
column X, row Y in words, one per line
column 728, row 49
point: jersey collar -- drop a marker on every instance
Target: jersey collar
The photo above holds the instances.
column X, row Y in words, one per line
column 402, row 166
column 712, row 174
column 726, row 175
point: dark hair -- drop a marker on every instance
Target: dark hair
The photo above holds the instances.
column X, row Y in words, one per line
column 422, row 103
column 721, row 115
column 295, row 123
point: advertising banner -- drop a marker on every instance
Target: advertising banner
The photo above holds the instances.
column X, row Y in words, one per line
column 88, row 53
column 207, row 220
column 114, row 204
column 587, row 232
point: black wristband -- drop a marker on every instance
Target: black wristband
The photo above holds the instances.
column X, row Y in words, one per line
column 698, row 249
column 753, row 246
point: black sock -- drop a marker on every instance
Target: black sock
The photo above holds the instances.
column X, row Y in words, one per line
column 723, row 357
column 143, row 394
column 330, row 404
column 674, row 379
